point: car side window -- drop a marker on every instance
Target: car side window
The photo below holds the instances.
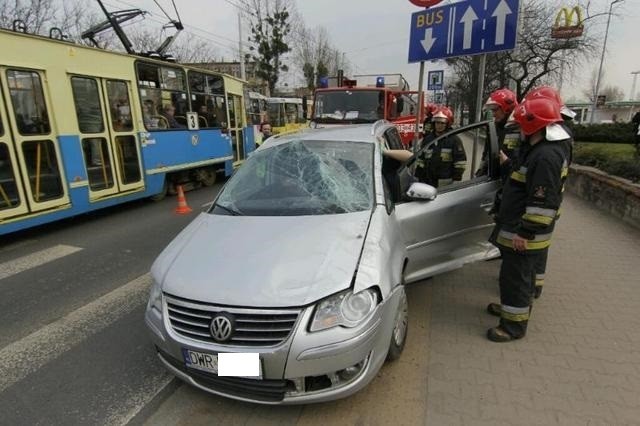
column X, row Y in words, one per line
column 453, row 160
column 393, row 138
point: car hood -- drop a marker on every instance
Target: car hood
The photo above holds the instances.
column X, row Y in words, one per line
column 254, row 261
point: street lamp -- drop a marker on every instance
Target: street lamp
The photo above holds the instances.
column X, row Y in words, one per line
column 604, row 49
column 632, row 96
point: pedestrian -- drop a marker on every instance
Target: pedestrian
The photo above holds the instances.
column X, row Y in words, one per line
column 636, row 131
column 265, row 129
column 567, row 116
column 531, row 199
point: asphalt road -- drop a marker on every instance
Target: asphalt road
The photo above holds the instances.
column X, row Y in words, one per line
column 74, row 349
column 73, row 344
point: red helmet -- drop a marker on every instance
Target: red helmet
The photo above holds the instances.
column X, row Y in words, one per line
column 505, row 99
column 550, row 93
column 444, row 113
column 430, row 109
column 535, row 114
column 544, row 92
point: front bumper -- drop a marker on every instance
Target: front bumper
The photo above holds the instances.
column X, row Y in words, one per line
column 306, row 367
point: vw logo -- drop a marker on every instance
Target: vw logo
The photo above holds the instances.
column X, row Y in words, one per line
column 222, row 327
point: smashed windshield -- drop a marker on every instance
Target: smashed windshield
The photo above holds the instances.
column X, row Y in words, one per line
column 352, row 106
column 301, row 178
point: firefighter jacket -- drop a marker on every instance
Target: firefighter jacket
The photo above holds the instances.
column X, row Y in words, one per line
column 441, row 163
column 509, row 141
column 532, row 195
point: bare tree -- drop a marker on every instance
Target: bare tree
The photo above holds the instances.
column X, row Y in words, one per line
column 315, row 56
column 538, row 58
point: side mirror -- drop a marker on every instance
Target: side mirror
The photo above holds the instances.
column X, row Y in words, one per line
column 421, row 191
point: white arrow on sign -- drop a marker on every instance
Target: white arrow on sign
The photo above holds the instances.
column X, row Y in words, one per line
column 500, row 14
column 429, row 40
column 467, row 19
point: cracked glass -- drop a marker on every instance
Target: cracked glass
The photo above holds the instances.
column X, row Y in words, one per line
column 302, row 178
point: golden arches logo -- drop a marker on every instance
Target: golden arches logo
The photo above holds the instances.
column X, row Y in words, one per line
column 569, row 29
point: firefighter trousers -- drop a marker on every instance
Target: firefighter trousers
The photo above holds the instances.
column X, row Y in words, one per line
column 517, row 279
column 540, row 269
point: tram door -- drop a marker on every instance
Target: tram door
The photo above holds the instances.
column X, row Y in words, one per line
column 109, row 144
column 31, row 173
column 236, row 124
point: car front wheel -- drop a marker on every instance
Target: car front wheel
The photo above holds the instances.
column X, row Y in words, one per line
column 400, row 328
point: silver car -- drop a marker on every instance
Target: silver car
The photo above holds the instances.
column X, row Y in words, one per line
column 303, row 260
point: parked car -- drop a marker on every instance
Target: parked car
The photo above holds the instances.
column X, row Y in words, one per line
column 303, row 259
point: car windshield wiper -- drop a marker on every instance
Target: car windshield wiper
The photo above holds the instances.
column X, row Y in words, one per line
column 229, row 210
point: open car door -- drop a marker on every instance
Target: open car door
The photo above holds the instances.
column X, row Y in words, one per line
column 453, row 228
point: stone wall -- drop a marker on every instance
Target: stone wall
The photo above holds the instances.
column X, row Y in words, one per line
column 615, row 195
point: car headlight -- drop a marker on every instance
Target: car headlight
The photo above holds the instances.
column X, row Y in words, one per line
column 155, row 297
column 347, row 309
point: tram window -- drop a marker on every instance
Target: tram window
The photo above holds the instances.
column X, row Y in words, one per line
column 207, row 99
column 98, row 161
column 43, row 170
column 162, row 89
column 118, row 96
column 8, row 188
column 128, row 155
column 27, row 99
column 87, row 101
column 276, row 114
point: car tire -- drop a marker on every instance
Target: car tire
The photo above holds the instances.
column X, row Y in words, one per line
column 400, row 328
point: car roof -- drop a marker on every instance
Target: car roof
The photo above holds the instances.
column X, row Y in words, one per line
column 353, row 133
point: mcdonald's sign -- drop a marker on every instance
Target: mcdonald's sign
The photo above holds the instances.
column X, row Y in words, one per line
column 569, row 29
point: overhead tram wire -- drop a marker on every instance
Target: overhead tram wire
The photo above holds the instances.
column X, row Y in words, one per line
column 228, row 47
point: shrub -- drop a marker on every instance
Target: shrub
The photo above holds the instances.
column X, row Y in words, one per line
column 606, row 132
column 616, row 160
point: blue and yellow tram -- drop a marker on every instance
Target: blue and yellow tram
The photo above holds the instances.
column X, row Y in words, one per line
column 83, row 128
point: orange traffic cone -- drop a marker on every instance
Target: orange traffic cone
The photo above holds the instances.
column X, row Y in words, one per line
column 182, row 208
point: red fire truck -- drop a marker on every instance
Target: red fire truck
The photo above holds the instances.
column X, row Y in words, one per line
column 366, row 99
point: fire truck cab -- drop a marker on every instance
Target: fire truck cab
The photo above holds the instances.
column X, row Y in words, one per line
column 366, row 99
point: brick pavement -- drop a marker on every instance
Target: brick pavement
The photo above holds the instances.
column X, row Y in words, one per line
column 580, row 361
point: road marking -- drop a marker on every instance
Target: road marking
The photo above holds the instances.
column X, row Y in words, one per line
column 49, row 342
column 149, row 390
column 38, row 258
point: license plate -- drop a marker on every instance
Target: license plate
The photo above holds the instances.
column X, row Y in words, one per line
column 201, row 361
column 235, row 365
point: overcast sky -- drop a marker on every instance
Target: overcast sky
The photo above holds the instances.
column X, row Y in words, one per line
column 375, row 35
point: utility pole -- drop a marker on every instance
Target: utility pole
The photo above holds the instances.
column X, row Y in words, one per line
column 632, row 95
column 604, row 49
column 242, row 71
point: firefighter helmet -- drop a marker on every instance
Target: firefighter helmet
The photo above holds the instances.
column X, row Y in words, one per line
column 534, row 115
column 550, row 93
column 444, row 115
column 504, row 99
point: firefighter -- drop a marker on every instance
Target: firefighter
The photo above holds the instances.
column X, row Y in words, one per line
column 531, row 199
column 443, row 162
column 567, row 116
column 501, row 103
column 427, row 125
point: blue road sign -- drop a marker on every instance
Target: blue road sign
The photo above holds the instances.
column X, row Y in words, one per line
column 435, row 80
column 464, row 28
